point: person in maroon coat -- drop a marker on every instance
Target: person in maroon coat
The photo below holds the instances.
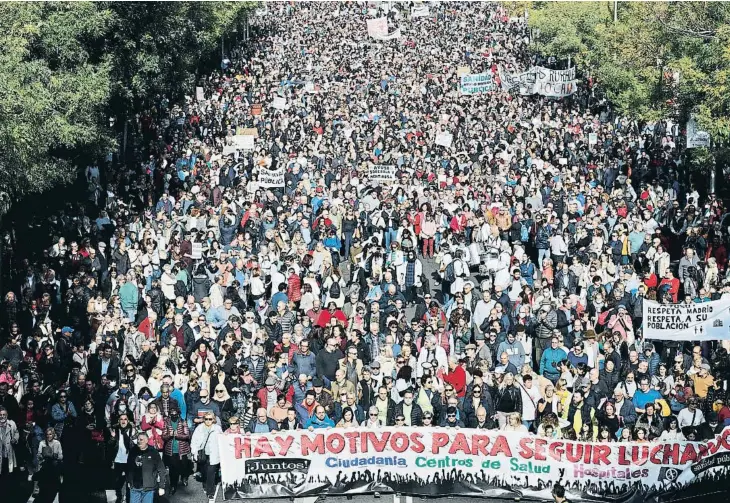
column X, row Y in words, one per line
column 176, row 453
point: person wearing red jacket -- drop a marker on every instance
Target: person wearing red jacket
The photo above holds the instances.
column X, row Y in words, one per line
column 673, row 283
column 456, row 377
column 325, row 317
column 294, row 287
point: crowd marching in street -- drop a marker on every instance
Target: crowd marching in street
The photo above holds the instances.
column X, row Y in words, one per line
column 494, row 283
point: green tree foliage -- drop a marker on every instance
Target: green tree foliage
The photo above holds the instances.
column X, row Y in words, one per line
column 51, row 92
column 65, row 67
column 627, row 57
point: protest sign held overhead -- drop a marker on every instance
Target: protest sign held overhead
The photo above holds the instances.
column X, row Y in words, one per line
column 271, row 178
column 444, row 138
column 382, row 172
column 377, row 27
column 695, row 137
column 705, row 321
column 419, row 11
column 477, row 83
column 279, row 103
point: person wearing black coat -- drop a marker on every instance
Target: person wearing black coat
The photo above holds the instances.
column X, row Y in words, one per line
column 416, row 416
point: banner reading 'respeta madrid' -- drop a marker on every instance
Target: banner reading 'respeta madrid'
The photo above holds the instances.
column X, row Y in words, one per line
column 706, row 321
column 466, row 462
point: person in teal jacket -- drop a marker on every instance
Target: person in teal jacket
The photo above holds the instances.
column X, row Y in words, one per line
column 550, row 361
column 129, row 297
column 319, row 420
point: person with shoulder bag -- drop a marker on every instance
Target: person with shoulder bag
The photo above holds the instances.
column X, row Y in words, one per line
column 204, row 447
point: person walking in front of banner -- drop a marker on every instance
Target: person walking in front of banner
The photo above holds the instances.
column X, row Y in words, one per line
column 204, row 446
column 177, row 453
column 145, row 471
column 50, row 458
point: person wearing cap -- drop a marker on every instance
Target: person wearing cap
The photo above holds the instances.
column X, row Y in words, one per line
column 323, row 395
column 702, row 380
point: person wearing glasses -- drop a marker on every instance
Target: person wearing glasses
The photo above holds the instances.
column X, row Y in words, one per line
column 450, row 420
column 145, row 471
column 262, row 423
column 204, row 447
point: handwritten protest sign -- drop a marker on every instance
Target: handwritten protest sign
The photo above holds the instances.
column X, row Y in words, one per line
column 244, row 142
column 199, row 94
column 554, row 83
column 279, row 103
column 256, row 109
column 271, row 178
column 444, row 138
column 695, row 137
column 592, row 138
column 463, row 70
column 377, row 27
column 476, row 83
column 382, row 172
column 420, row 11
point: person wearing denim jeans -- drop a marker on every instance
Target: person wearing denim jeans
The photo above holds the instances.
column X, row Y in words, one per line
column 145, row 471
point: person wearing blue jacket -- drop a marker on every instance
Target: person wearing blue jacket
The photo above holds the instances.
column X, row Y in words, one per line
column 550, row 360
column 304, row 361
column 319, row 420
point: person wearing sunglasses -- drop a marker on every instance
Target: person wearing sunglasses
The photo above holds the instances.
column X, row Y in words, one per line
column 204, row 447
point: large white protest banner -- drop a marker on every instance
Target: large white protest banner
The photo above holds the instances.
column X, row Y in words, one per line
column 695, row 137
column 540, row 80
column 378, row 27
column 279, row 103
column 444, row 138
column 271, row 177
column 554, row 83
column 476, row 83
column 707, row 321
column 420, row 11
column 469, row 462
column 382, row 172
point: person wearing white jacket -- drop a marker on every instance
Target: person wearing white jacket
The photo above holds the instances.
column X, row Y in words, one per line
column 205, row 440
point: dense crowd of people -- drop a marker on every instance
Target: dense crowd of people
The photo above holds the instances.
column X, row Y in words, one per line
column 199, row 303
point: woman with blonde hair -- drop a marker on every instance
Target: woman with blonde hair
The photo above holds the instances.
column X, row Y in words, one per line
column 514, row 423
column 712, row 274
column 155, row 381
column 387, row 360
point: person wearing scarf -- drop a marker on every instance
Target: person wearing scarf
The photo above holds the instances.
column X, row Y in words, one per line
column 123, row 435
column 176, row 454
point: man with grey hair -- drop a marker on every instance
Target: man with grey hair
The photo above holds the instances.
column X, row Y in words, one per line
column 372, row 421
column 429, row 352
